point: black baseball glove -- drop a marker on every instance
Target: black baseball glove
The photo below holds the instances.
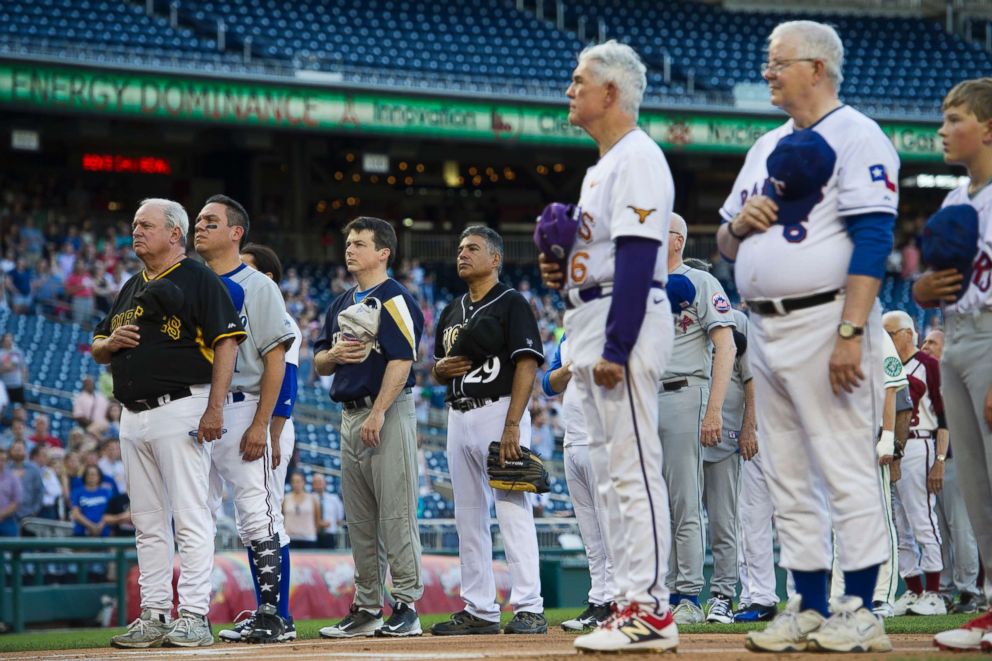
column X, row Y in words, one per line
column 524, row 474
column 480, row 338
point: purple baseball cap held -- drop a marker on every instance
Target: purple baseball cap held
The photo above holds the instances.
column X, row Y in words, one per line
column 557, row 226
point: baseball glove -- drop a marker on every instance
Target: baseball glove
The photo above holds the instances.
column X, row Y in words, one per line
column 524, row 474
column 480, row 338
column 361, row 322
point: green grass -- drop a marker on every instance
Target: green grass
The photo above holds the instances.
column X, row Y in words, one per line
column 63, row 639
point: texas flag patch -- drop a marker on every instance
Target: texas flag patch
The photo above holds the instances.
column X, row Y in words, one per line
column 878, row 173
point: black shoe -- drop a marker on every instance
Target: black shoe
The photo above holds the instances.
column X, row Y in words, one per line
column 590, row 618
column 756, row 613
column 403, row 622
column 967, row 603
column 268, row 626
column 464, row 623
column 524, row 622
column 357, row 623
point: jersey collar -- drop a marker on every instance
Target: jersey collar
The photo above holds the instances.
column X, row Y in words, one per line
column 231, row 274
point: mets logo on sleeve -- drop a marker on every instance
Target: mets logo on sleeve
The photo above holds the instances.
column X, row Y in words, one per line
column 893, row 366
column 720, row 303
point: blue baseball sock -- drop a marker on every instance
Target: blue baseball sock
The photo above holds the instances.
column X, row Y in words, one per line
column 812, row 585
column 254, row 575
column 861, row 583
column 284, row 584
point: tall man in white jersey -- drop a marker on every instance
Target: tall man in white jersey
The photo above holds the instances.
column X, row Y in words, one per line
column 282, row 435
column 965, row 293
column 809, row 222
column 614, row 280
column 243, row 457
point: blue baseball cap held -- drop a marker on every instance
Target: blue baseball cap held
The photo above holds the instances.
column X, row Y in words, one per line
column 950, row 240
column 798, row 169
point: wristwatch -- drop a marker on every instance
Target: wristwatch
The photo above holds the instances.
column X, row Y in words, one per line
column 847, row 330
column 941, row 457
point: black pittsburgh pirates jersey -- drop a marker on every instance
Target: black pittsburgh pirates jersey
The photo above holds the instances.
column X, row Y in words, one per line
column 492, row 376
column 176, row 345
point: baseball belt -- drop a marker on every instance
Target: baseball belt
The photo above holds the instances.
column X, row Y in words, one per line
column 367, row 402
column 922, row 433
column 149, row 403
column 465, row 404
column 781, row 306
column 576, row 297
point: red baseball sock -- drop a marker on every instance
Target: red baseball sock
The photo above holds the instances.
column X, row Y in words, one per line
column 915, row 583
column 933, row 581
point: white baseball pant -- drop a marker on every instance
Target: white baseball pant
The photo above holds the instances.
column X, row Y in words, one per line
column 167, row 472
column 915, row 511
column 469, row 436
column 625, row 449
column 756, row 552
column 590, row 512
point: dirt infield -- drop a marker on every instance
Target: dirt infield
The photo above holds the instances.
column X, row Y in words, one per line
column 556, row 645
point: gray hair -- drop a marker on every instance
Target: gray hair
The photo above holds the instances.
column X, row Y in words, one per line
column 492, row 237
column 613, row 62
column 816, row 41
column 175, row 214
column 902, row 321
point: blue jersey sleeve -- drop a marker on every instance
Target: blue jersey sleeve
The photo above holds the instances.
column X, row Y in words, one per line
column 287, row 394
column 555, row 364
column 871, row 234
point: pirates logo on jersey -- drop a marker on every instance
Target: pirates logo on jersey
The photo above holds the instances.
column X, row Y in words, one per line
column 642, row 214
column 450, row 336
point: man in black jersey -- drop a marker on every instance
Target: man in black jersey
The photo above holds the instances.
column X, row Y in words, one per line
column 489, row 385
column 170, row 338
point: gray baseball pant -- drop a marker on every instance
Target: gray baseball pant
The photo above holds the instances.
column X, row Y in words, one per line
column 721, row 484
column 958, row 549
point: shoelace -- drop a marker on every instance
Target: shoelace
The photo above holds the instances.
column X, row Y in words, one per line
column 244, row 618
column 786, row 620
column 185, row 624
column 838, row 621
column 139, row 626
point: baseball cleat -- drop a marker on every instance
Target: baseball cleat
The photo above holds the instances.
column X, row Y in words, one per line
column 967, row 603
column 242, row 625
column 525, row 622
column 720, row 609
column 633, row 630
column 987, row 642
column 290, row 632
column 968, row 637
column 189, row 630
column 851, row 628
column 905, row 600
column 464, row 623
column 788, row 632
column 403, row 622
column 882, row 609
column 688, row 612
column 756, row 613
column 358, row 622
column 929, row 603
column 268, row 627
column 590, row 618
column 148, row 630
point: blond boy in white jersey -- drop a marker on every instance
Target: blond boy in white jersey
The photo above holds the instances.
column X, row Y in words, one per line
column 966, row 365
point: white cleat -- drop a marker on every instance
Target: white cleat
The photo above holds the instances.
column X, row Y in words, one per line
column 970, row 636
column 851, row 628
column 907, row 599
column 633, row 630
column 929, row 603
column 788, row 632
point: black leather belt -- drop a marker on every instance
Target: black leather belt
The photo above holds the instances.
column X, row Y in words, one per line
column 367, row 402
column 598, row 291
column 149, row 403
column 787, row 305
column 468, row 403
column 922, row 433
column 677, row 384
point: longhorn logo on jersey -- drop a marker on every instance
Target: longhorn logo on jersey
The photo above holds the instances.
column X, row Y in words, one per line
column 642, row 214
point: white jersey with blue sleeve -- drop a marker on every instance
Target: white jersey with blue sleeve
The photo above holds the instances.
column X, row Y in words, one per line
column 977, row 296
column 779, row 264
column 287, row 394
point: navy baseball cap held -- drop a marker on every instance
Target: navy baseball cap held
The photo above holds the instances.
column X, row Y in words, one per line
column 681, row 292
column 950, row 240
column 556, row 229
column 798, row 169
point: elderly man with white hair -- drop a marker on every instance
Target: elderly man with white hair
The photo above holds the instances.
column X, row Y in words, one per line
column 171, row 338
column 809, row 222
column 619, row 323
column 915, row 502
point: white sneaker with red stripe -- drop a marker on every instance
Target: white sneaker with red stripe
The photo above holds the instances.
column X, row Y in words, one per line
column 633, row 630
column 968, row 637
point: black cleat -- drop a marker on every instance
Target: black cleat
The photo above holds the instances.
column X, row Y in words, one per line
column 464, row 623
column 525, row 622
column 268, row 626
column 403, row 622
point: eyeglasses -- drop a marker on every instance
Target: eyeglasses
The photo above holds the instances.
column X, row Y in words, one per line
column 780, row 66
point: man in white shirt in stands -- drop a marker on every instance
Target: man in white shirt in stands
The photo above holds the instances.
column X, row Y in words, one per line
column 332, row 513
